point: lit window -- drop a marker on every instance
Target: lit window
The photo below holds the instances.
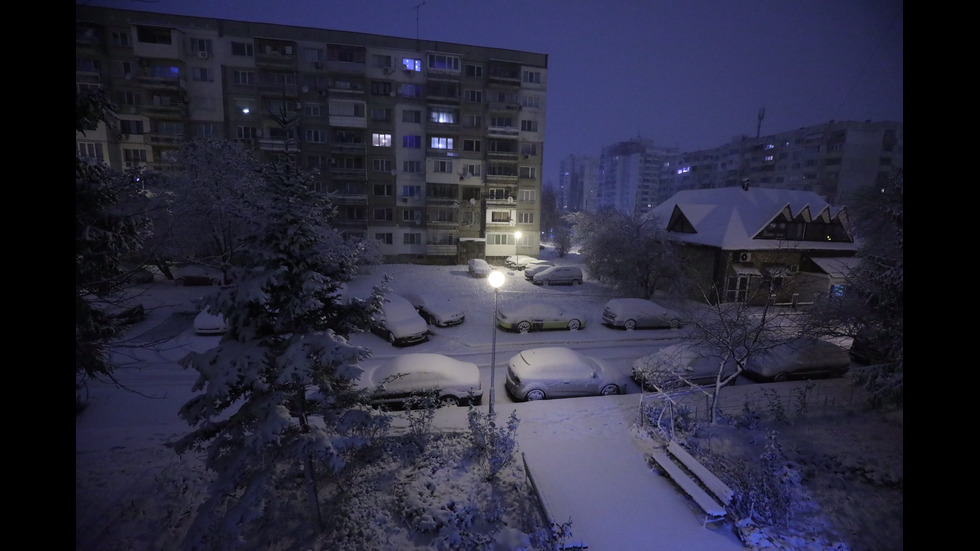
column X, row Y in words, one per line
column 381, row 140
column 441, row 143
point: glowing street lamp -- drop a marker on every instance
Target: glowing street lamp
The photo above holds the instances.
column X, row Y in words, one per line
column 496, row 279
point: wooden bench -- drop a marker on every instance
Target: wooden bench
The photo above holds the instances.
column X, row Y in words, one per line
column 692, row 477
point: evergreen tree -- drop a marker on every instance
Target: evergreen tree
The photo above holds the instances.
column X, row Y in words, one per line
column 287, row 343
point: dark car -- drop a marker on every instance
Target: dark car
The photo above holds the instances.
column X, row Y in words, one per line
column 195, row 274
column 798, row 359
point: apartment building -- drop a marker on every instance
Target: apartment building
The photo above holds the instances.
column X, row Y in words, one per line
column 433, row 149
column 577, row 181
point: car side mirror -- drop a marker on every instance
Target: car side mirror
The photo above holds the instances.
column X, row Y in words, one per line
column 594, row 375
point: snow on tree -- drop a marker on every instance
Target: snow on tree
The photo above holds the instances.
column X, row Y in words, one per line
column 629, row 252
column 104, row 233
column 276, row 400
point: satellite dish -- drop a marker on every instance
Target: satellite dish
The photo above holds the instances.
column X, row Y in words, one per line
column 306, row 88
column 513, row 222
column 472, row 201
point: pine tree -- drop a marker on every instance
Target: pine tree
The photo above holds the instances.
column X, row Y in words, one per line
column 287, row 341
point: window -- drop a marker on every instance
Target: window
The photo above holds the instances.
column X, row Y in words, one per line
column 202, row 74
column 381, row 114
column 153, row 35
column 121, row 39
column 207, row 130
column 130, row 127
column 316, row 136
column 438, row 88
column 473, row 170
column 384, row 238
column 410, row 91
column 443, row 62
column 500, row 216
column 501, row 122
column 531, row 101
column 347, row 108
column 443, row 167
column 383, row 214
column 381, row 61
column 89, row 150
column 500, row 238
column 246, row 132
column 171, row 128
column 128, row 97
column 529, row 149
column 313, row 55
column 441, row 143
column 527, row 195
column 412, row 215
column 441, row 191
column 412, row 167
column 381, row 165
column 202, row 45
column 443, row 116
column 382, row 190
column 473, row 96
column 244, row 49
column 473, row 121
column 525, row 218
column 134, row 155
column 379, row 88
column 410, row 64
column 412, row 191
column 497, row 193
column 312, row 109
column 243, row 77
column 529, row 125
column 412, row 142
column 473, row 71
column 471, row 145
column 381, row 140
column 532, row 77
column 528, row 172
column 318, row 162
column 88, row 65
column 411, row 115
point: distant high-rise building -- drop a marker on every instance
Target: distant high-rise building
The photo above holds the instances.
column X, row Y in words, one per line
column 629, row 175
column 431, row 148
column 577, row 183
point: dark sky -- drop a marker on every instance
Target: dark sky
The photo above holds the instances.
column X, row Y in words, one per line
column 686, row 73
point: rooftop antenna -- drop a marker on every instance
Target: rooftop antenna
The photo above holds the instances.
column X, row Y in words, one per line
column 416, row 8
column 762, row 115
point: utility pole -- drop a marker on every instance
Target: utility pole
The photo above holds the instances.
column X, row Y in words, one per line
column 762, row 115
column 416, row 8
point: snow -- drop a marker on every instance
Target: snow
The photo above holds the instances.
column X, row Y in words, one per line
column 585, row 455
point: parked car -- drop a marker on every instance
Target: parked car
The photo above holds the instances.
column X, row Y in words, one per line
column 479, row 267
column 525, row 316
column 638, row 313
column 195, row 274
column 677, row 365
column 438, row 310
column 558, row 275
column 798, row 359
column 448, row 380
column 558, row 372
column 206, row 323
column 518, row 261
column 537, row 267
column 869, row 346
column 400, row 323
column 135, row 274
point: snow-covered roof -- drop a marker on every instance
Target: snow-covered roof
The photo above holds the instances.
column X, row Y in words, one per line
column 837, row 266
column 730, row 218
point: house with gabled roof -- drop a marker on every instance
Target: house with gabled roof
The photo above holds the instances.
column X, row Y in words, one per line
column 752, row 244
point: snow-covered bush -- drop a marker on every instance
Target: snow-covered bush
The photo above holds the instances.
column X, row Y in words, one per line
column 494, row 447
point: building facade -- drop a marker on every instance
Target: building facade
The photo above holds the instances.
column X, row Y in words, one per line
column 433, row 149
column 629, row 175
column 578, row 176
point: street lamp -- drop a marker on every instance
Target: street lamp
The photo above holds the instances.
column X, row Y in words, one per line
column 496, row 279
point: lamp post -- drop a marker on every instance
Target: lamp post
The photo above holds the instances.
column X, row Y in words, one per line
column 496, row 279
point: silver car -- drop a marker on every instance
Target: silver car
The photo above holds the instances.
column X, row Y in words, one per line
column 798, row 359
column 558, row 275
column 400, row 323
column 438, row 310
column 558, row 372
column 448, row 380
column 638, row 313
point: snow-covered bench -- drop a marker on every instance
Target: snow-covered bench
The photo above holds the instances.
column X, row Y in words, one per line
column 691, row 475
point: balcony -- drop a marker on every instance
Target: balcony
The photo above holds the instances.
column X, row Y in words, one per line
column 441, row 250
column 503, row 132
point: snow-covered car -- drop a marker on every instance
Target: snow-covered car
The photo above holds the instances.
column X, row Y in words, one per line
column 206, row 323
column 679, row 365
column 518, row 261
column 448, row 380
column 559, row 372
column 479, row 267
column 558, row 275
column 399, row 322
column 525, row 316
column 438, row 310
column 536, row 267
column 196, row 274
column 638, row 313
column 803, row 358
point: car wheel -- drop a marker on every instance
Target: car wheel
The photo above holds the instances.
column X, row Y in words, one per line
column 574, row 325
column 215, row 281
column 630, row 325
column 609, row 390
column 577, row 281
column 780, row 377
column 391, row 337
column 179, row 282
column 675, row 323
column 524, row 326
column 535, row 394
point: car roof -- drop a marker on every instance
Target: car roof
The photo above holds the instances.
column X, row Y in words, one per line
column 555, row 359
column 450, row 369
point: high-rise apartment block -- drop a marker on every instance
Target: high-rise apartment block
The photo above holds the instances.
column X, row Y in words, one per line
column 433, row 149
column 833, row 160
